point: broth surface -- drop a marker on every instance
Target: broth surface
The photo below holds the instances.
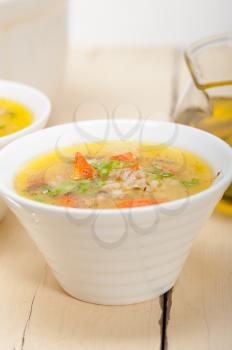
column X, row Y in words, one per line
column 113, row 174
column 13, row 117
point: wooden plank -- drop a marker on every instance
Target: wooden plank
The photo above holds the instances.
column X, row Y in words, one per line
column 21, row 270
column 201, row 312
column 35, row 314
column 201, row 304
column 60, row 322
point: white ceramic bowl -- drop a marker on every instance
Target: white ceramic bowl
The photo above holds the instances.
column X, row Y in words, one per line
column 113, row 256
column 33, row 99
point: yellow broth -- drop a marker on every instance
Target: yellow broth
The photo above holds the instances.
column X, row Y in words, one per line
column 13, row 117
column 113, row 174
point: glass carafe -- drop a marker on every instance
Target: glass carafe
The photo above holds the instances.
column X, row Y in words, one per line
column 207, row 102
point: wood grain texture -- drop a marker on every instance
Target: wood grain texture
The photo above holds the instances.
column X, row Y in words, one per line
column 35, row 314
column 21, row 270
column 201, row 311
column 61, row 322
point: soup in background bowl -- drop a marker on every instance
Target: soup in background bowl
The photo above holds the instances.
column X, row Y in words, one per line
column 116, row 255
column 23, row 109
column 13, row 117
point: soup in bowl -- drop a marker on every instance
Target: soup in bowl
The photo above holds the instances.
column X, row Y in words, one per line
column 23, row 109
column 130, row 246
column 113, row 174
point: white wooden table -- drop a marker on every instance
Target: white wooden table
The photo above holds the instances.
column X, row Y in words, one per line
column 35, row 314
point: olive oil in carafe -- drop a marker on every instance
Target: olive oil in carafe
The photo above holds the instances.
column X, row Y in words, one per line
column 207, row 103
column 217, row 122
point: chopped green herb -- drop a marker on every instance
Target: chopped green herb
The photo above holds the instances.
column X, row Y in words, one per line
column 156, row 170
column 45, row 189
column 190, row 183
column 126, row 164
column 83, row 186
column 103, row 168
column 115, row 164
column 99, row 183
column 156, row 177
column 159, row 173
column 66, row 186
column 37, row 197
column 167, row 174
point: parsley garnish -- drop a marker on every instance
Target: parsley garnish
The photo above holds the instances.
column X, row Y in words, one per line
column 103, row 168
column 190, row 183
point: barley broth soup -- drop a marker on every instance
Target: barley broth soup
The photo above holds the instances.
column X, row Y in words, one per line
column 113, row 174
column 13, row 117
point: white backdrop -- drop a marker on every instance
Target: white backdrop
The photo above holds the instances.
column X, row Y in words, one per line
column 146, row 22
